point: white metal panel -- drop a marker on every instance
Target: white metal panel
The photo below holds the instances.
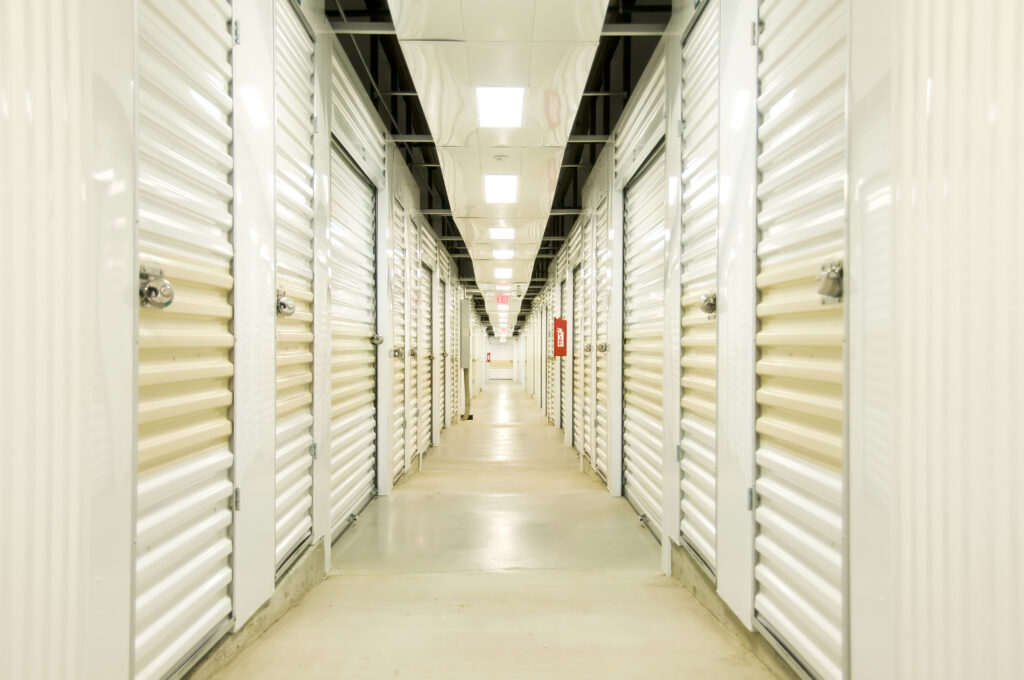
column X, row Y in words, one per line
column 67, row 371
column 353, row 119
column 399, row 290
column 425, row 358
column 578, row 335
column 799, row 477
column 643, row 122
column 353, row 275
column 454, row 371
column 699, row 277
column 183, row 566
column 565, row 380
column 602, row 301
column 587, row 325
column 443, row 323
column 550, row 363
column 412, row 399
column 643, row 349
column 293, row 66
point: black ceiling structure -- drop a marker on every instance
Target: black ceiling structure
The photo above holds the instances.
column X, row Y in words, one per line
column 370, row 43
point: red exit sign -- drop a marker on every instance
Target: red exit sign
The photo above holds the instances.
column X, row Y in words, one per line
column 501, row 299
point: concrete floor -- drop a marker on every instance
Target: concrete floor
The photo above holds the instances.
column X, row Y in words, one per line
column 499, row 560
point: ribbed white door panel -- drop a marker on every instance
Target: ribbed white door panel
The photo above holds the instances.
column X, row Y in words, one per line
column 442, row 334
column 565, row 386
column 603, row 296
column 353, row 269
column 578, row 334
column 643, row 333
column 399, row 288
column 699, row 276
column 412, row 411
column 183, row 524
column 293, row 65
column 550, row 363
column 802, row 165
column 425, row 358
column 587, row 317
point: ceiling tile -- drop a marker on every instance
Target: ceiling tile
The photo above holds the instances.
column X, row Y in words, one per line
column 427, row 19
column 498, row 20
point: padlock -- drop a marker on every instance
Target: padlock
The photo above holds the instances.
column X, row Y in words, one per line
column 709, row 302
column 285, row 305
column 830, row 280
column 154, row 289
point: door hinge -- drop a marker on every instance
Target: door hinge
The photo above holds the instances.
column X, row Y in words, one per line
column 236, row 33
column 750, row 498
column 314, row 451
column 235, row 500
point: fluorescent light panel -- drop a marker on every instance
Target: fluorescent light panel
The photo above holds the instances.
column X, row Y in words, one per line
column 501, row 188
column 500, row 254
column 503, row 272
column 502, row 233
column 500, row 107
column 503, row 286
column 502, row 308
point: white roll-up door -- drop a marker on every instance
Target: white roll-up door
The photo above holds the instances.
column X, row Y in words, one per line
column 550, row 364
column 454, row 370
column 699, row 276
column 425, row 358
column 442, row 334
column 800, row 549
column 565, row 380
column 602, row 301
column 578, row 334
column 293, row 65
column 587, row 317
column 183, row 524
column 412, row 408
column 399, row 288
column 353, row 257
column 643, row 333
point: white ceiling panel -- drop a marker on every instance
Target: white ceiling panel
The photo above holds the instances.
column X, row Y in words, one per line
column 545, row 46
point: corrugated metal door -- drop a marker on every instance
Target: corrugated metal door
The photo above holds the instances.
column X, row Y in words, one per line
column 183, row 522
column 549, row 359
column 577, row 358
column 353, row 355
column 399, row 255
column 699, row 333
column 602, row 301
column 293, row 65
column 643, row 332
column 412, row 409
column 426, row 358
column 587, row 316
column 454, row 371
column 442, row 334
column 800, row 548
column 565, row 385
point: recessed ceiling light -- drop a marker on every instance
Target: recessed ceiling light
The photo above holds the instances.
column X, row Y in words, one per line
column 503, row 286
column 501, row 188
column 502, row 308
column 502, row 233
column 503, row 272
column 499, row 254
column 500, row 107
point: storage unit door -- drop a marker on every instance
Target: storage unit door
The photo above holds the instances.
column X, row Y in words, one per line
column 698, row 462
column 454, row 371
column 549, row 363
column 183, row 568
column 587, row 317
column 442, row 334
column 353, row 269
column 426, row 356
column 399, row 253
column 293, row 65
column 565, row 384
column 602, row 300
column 643, row 331
column 412, row 409
column 799, row 543
column 577, row 359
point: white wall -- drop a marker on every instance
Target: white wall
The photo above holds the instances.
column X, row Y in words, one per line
column 500, row 352
column 67, row 366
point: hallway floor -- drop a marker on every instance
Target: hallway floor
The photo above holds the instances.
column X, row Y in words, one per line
column 499, row 560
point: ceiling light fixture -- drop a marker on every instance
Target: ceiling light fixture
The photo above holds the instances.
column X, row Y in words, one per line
column 503, row 254
column 502, row 308
column 503, row 272
column 500, row 107
column 501, row 188
column 503, row 286
column 502, row 233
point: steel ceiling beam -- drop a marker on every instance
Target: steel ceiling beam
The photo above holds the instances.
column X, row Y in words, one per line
column 341, row 27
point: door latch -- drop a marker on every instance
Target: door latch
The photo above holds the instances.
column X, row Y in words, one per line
column 830, row 280
column 709, row 302
column 377, row 339
column 285, row 305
